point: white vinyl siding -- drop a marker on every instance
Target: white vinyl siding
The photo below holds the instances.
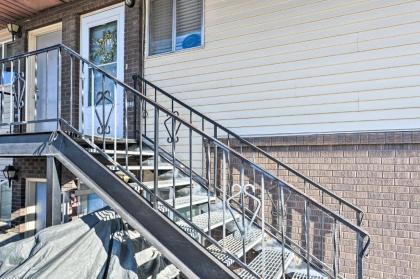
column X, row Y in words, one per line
column 308, row 66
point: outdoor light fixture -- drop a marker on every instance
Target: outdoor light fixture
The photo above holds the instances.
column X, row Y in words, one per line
column 130, row 3
column 10, row 172
column 14, row 29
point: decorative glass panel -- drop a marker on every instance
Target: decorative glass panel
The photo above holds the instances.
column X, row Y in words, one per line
column 103, row 43
column 103, row 52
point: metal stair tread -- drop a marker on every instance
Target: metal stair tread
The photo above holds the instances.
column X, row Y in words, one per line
column 144, row 168
column 234, row 245
column 182, row 202
column 216, row 220
column 269, row 262
column 119, row 152
column 303, row 275
column 166, row 183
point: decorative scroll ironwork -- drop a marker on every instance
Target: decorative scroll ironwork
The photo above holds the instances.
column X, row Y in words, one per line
column 171, row 137
column 18, row 92
column 103, row 98
column 243, row 228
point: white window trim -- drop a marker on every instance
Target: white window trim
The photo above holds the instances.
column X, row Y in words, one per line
column 3, row 43
column 173, row 51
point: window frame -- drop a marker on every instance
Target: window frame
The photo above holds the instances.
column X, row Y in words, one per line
column 174, row 50
column 3, row 50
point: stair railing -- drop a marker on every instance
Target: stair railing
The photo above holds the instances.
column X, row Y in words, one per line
column 103, row 121
column 252, row 151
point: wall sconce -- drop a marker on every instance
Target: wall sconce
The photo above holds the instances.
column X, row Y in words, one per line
column 130, row 3
column 15, row 30
column 10, row 172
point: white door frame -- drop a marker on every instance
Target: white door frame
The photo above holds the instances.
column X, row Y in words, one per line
column 30, row 64
column 99, row 17
column 30, row 204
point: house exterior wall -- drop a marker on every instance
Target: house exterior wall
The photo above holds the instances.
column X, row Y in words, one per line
column 69, row 14
column 379, row 172
column 309, row 81
column 289, row 67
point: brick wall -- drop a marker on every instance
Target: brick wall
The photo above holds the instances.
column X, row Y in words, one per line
column 31, row 167
column 380, row 173
column 69, row 14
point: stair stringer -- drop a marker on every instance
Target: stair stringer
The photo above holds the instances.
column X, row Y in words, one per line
column 190, row 257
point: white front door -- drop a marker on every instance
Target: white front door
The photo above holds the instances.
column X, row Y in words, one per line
column 45, row 94
column 102, row 42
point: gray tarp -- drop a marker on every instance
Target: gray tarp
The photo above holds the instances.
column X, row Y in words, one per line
column 94, row 246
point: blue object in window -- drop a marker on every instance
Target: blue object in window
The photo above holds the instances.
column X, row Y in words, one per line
column 193, row 40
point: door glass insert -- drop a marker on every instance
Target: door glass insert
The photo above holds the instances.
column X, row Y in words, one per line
column 41, row 205
column 103, row 52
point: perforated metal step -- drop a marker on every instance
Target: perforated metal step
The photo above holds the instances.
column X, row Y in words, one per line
column 269, row 263
column 302, row 275
column 201, row 221
column 122, row 153
column 233, row 244
column 168, row 183
column 183, row 202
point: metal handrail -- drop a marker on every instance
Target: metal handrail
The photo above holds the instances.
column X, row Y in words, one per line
column 358, row 210
column 210, row 138
column 361, row 233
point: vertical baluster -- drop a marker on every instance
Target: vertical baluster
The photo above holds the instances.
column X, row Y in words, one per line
column 156, row 159
column 35, row 87
column 203, row 151
column 47, row 91
column 359, row 249
column 282, row 229
column 173, row 155
column 215, row 163
column 103, row 112
column 25, row 91
column 92, row 103
column 126, row 127
column 307, row 237
column 263, row 221
column 12, row 95
column 190, row 161
column 59, row 87
column 82, row 93
column 114, row 100
column 140, row 139
column 335, row 243
column 208, row 187
column 71, row 90
column 339, row 236
column 18, row 93
column 145, row 109
column 224, row 197
column 242, row 202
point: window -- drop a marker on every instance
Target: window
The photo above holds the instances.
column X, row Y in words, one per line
column 6, row 50
column 175, row 25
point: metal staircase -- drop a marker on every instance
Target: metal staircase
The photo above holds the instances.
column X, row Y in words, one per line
column 183, row 180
